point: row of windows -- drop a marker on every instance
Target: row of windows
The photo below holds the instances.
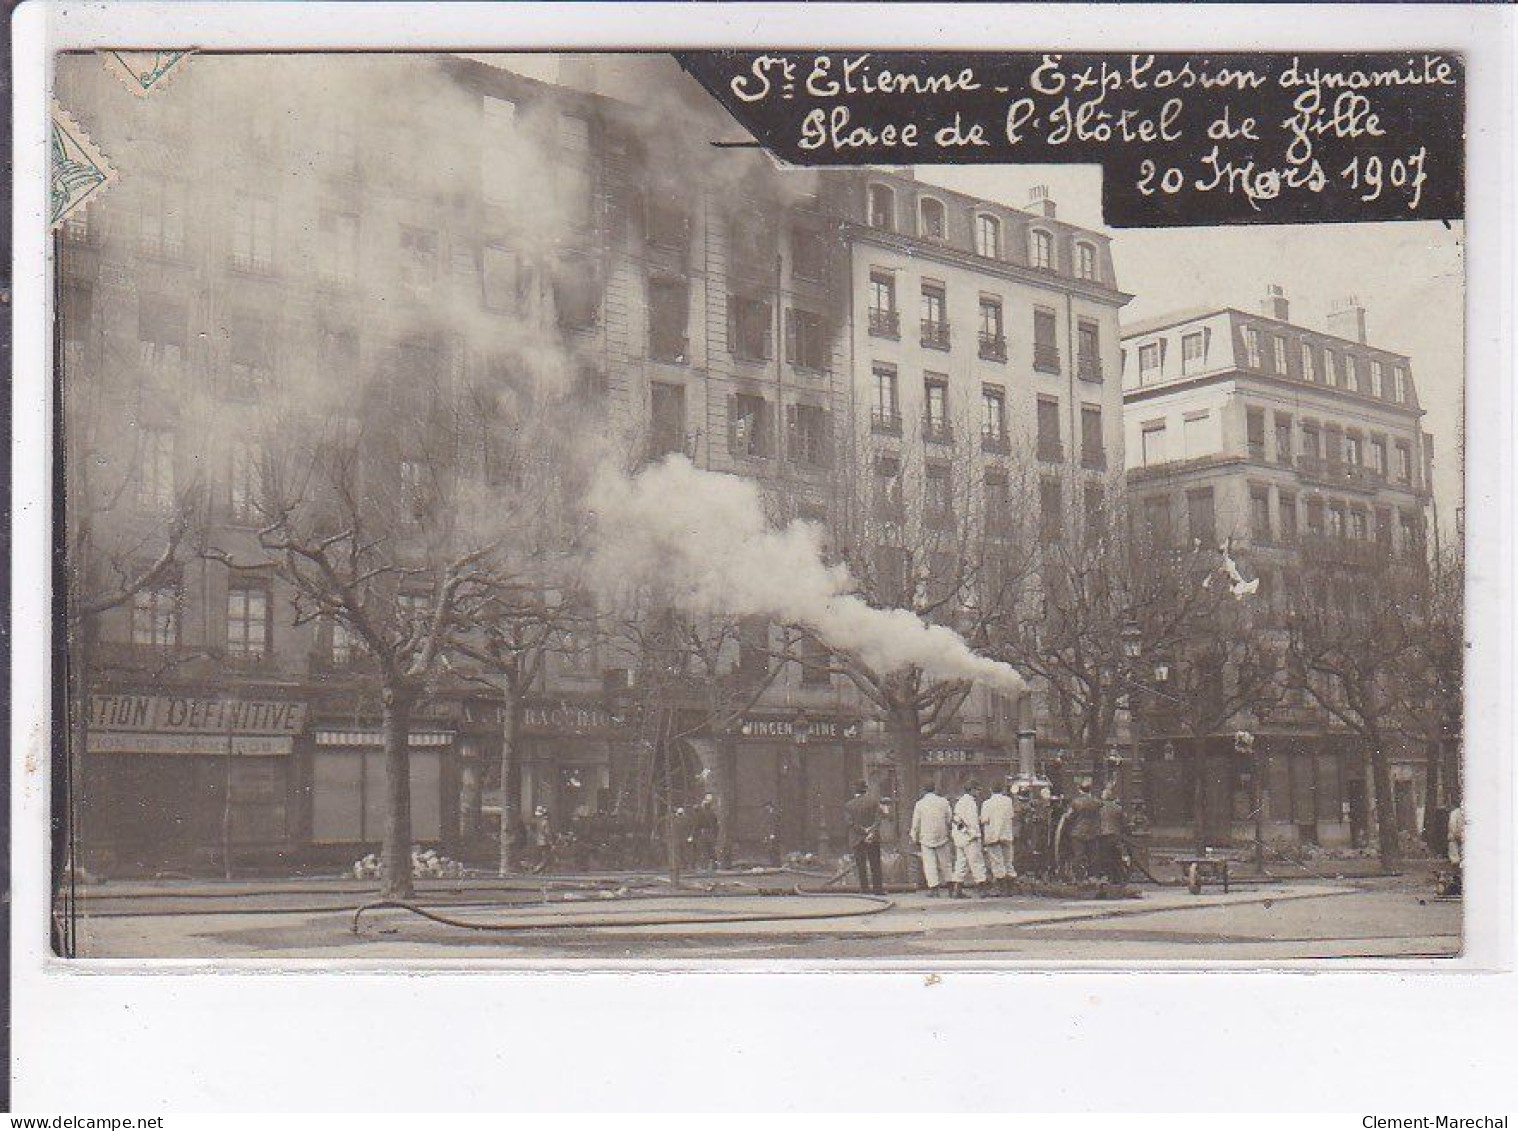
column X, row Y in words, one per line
column 885, row 322
column 1330, row 518
column 750, row 328
column 163, row 324
column 937, row 423
column 1274, row 353
column 1328, row 447
column 990, row 242
column 1313, row 447
column 1324, row 366
column 751, row 431
column 1199, row 438
column 1315, row 516
column 938, row 510
column 249, row 621
column 157, row 622
column 1194, row 351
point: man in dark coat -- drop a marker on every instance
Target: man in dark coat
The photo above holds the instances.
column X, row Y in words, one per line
column 1085, row 827
column 862, row 815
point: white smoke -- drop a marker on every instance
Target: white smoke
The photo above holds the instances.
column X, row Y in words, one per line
column 703, row 538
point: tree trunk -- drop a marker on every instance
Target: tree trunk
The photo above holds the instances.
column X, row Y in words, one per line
column 906, row 741
column 1385, row 805
column 511, row 788
column 1096, row 751
column 395, row 853
column 1260, row 802
column 727, row 796
column 1199, row 792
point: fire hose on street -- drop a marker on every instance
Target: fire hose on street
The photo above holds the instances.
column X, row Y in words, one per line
column 863, row 905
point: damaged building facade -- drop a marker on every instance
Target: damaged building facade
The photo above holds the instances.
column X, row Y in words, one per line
column 712, row 306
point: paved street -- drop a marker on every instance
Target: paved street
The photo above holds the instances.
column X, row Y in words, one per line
column 1365, row 918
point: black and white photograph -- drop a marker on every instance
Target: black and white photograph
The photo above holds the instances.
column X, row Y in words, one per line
column 507, row 512
column 761, row 557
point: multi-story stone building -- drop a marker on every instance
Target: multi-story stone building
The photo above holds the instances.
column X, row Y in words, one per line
column 1289, row 442
column 336, row 246
column 985, row 354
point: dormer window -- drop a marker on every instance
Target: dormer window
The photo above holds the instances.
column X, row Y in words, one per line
column 1043, row 249
column 1085, row 261
column 987, row 236
column 882, row 208
column 930, row 220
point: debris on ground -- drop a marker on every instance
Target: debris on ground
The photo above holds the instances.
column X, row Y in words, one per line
column 425, row 864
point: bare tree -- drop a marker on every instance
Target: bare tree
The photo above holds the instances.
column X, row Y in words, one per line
column 1224, row 667
column 1437, row 673
column 1104, row 584
column 375, row 524
column 1355, row 629
column 697, row 674
column 927, row 527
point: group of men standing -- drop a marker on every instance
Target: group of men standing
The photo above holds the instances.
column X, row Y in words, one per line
column 983, row 839
column 968, row 842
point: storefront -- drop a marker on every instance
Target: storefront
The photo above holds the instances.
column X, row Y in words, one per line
column 1313, row 792
column 188, row 782
column 348, row 786
column 791, row 777
column 567, row 749
column 951, row 764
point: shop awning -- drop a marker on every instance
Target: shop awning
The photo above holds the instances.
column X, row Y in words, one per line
column 376, row 738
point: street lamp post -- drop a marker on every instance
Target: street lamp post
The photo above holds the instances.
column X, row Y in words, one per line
column 1133, row 651
column 801, row 725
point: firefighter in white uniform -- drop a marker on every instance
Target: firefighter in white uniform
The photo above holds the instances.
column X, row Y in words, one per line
column 998, row 833
column 969, row 857
column 931, row 817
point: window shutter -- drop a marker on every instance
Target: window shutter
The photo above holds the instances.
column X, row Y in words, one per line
column 733, row 329
column 732, row 425
column 769, row 332
column 791, row 345
column 827, row 439
column 792, row 441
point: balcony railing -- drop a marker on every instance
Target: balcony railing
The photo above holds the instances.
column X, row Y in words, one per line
column 1051, row 453
column 885, row 422
column 885, row 323
column 935, row 335
column 1088, row 367
column 1341, row 550
column 1257, row 450
column 937, row 431
column 993, row 347
column 1045, row 358
column 995, row 440
column 1336, row 472
column 1094, row 460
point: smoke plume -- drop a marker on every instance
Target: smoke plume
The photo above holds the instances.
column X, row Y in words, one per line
column 703, row 539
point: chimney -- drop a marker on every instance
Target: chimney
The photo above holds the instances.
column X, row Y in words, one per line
column 1039, row 203
column 1346, row 318
column 1274, row 304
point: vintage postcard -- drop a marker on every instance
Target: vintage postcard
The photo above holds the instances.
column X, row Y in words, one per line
column 760, row 505
column 762, row 556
